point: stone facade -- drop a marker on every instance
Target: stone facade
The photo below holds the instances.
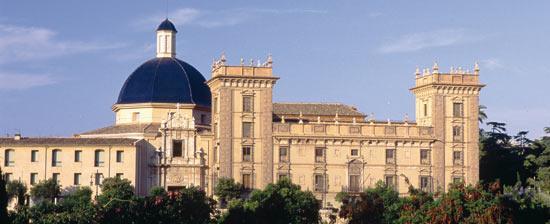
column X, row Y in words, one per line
column 325, row 148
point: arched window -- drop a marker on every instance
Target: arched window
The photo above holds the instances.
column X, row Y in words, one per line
column 98, row 157
column 56, row 157
column 8, row 157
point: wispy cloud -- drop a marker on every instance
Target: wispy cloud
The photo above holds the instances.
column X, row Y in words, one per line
column 423, row 40
column 491, row 64
column 17, row 81
column 219, row 18
column 19, row 43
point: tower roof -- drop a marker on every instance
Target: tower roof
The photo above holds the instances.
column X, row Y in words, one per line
column 167, row 25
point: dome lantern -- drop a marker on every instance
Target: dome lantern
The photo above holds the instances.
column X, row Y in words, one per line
column 166, row 40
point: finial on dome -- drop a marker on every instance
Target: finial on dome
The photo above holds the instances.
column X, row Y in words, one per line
column 435, row 68
column 417, row 72
column 242, row 61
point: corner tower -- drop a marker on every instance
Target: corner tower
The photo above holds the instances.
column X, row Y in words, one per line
column 242, row 112
column 449, row 102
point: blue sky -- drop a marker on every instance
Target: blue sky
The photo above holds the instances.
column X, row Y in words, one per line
column 62, row 63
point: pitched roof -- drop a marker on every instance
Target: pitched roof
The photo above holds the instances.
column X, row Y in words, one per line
column 126, row 128
column 317, row 109
column 67, row 141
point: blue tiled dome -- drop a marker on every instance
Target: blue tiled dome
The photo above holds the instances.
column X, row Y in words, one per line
column 167, row 25
column 165, row 80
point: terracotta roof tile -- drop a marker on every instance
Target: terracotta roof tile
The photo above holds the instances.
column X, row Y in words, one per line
column 66, row 141
column 317, row 109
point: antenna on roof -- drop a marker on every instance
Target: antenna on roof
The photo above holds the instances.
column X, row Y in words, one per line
column 166, row 9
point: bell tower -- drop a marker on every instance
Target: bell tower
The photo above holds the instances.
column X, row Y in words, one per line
column 242, row 111
column 449, row 102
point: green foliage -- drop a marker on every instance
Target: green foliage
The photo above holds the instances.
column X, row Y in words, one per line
column 341, row 196
column 3, row 200
column 115, row 189
column 46, row 189
column 189, row 205
column 376, row 205
column 17, row 189
column 227, row 189
column 75, row 207
column 282, row 202
column 157, row 191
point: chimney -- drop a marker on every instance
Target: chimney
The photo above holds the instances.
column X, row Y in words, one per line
column 17, row 136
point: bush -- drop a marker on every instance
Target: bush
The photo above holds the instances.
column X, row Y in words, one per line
column 46, row 189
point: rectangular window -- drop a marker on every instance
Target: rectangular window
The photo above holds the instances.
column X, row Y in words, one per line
column 119, row 156
column 34, row 156
column 247, row 181
column 319, row 182
column 177, row 148
column 78, row 156
column 425, row 183
column 457, row 158
column 390, row 156
column 458, row 110
column 424, row 156
column 203, row 119
column 354, row 183
column 98, row 158
column 34, row 178
column 247, row 153
column 120, row 176
column 457, row 133
column 355, row 152
column 425, row 110
column 248, row 104
column 247, row 130
column 76, row 180
column 390, row 180
column 56, row 177
column 56, row 157
column 283, row 154
column 319, row 155
column 98, row 178
column 8, row 157
column 135, row 117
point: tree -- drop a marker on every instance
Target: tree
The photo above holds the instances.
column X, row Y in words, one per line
column 46, row 189
column 282, row 202
column 189, row 205
column 157, row 191
column 470, row 204
column 115, row 189
column 482, row 116
column 227, row 189
column 17, row 189
column 376, row 205
column 3, row 200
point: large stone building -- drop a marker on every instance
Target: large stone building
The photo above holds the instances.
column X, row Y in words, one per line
column 175, row 129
